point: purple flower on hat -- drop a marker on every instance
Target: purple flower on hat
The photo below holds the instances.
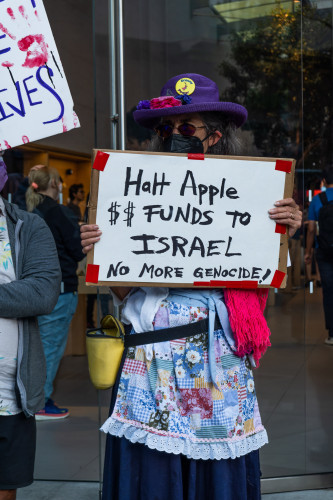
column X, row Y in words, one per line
column 143, row 105
column 186, row 99
column 164, row 102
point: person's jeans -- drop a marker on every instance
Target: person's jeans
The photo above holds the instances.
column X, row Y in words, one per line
column 53, row 329
column 325, row 265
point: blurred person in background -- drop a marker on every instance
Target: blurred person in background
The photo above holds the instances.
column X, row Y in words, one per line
column 41, row 198
column 315, row 184
column 29, row 286
column 321, row 212
column 76, row 195
column 137, row 137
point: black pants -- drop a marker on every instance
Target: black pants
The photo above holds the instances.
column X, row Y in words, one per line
column 325, row 265
column 17, row 451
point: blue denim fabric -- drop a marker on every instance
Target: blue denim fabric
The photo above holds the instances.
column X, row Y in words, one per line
column 54, row 331
column 325, row 265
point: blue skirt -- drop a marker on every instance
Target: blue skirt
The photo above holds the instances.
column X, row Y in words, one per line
column 132, row 471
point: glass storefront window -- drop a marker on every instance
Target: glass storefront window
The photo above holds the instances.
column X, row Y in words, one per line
column 276, row 59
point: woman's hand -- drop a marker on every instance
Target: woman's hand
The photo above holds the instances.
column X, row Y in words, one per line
column 287, row 212
column 90, row 234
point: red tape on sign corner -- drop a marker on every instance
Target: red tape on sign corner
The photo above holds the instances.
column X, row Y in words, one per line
column 195, row 156
column 277, row 279
column 100, row 161
column 92, row 273
column 281, row 228
column 283, row 166
column 201, row 283
column 235, row 284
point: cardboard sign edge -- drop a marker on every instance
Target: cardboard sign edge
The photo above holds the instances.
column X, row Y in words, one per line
column 92, row 207
column 92, row 214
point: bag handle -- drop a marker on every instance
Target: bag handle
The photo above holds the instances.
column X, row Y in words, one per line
column 323, row 198
column 98, row 307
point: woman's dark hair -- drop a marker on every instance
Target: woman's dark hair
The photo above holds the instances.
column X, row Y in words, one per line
column 74, row 189
column 229, row 144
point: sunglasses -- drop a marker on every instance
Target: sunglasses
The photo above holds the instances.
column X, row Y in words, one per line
column 186, row 129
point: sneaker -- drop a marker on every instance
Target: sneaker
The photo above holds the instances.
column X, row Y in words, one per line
column 329, row 341
column 51, row 412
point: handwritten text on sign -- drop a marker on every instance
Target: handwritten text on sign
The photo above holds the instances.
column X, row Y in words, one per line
column 35, row 101
column 168, row 219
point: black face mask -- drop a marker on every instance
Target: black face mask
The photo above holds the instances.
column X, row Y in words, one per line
column 177, row 143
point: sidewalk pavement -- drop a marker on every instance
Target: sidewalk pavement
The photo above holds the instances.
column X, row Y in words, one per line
column 57, row 490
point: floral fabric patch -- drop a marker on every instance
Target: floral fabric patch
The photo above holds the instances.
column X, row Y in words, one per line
column 196, row 402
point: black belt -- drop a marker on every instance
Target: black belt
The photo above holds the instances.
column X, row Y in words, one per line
column 165, row 334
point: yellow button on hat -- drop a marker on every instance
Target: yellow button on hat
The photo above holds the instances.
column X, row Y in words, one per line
column 185, row 86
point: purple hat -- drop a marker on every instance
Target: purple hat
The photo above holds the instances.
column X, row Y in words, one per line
column 187, row 93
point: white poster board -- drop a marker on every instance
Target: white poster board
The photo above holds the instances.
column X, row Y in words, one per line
column 174, row 221
column 35, row 101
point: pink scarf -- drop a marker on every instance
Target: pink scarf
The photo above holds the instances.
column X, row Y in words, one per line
column 245, row 308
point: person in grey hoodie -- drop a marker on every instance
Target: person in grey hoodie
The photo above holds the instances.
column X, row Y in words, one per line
column 30, row 279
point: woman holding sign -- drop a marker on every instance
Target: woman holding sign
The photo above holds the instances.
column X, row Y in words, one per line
column 184, row 421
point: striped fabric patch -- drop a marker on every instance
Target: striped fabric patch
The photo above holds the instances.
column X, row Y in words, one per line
column 156, row 365
column 163, row 364
column 177, row 342
column 215, row 431
column 241, row 397
column 199, row 383
column 216, row 395
column 140, row 354
column 229, row 360
column 152, row 374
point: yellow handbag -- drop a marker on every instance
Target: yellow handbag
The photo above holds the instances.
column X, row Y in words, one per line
column 105, row 346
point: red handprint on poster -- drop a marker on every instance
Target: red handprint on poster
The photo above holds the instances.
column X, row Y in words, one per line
column 34, row 94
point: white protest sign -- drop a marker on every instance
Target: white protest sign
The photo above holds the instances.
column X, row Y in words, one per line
column 170, row 220
column 35, row 101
